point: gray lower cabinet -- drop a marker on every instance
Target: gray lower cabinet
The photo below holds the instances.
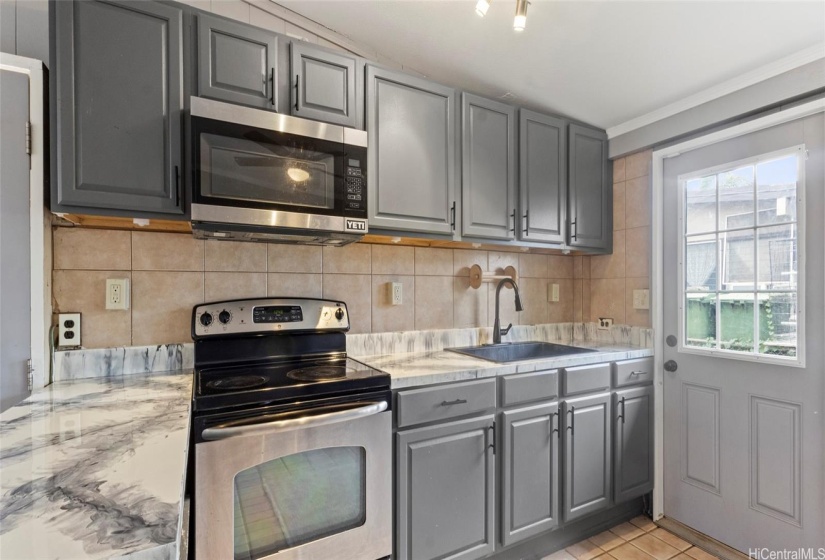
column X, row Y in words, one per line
column 488, row 168
column 326, row 86
column 633, row 437
column 412, row 166
column 118, row 88
column 587, row 466
column 542, row 178
column 590, row 190
column 236, row 62
column 446, row 491
column 530, row 471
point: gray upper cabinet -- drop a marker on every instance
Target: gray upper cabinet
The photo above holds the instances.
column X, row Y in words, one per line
column 237, row 63
column 412, row 166
column 633, row 469
column 590, row 190
column 586, row 436
column 530, row 472
column 446, row 491
column 488, row 168
column 325, row 85
column 119, row 99
column 542, row 178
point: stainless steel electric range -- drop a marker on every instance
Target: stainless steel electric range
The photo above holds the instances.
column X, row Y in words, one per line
column 293, row 439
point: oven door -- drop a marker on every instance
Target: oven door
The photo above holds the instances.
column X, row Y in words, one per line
column 296, row 485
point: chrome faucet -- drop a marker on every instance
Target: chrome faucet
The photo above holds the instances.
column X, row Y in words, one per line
column 497, row 330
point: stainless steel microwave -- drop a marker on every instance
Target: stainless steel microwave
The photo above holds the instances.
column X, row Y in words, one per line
column 263, row 176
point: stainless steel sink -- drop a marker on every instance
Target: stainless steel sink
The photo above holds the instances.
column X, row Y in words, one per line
column 517, row 351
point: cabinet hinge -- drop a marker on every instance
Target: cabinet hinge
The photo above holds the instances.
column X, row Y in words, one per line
column 28, row 138
column 30, row 373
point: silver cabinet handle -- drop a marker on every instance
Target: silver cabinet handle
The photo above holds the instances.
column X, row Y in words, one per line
column 309, row 421
column 637, row 373
column 457, row 401
column 572, row 413
column 555, row 416
column 622, row 414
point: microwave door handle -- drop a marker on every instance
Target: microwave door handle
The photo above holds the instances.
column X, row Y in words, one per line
column 310, row 421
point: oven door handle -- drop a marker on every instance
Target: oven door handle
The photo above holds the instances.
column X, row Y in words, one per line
column 276, row 426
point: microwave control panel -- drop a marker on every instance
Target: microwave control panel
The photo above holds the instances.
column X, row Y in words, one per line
column 356, row 186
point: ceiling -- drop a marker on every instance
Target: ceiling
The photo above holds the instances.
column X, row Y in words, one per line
column 602, row 62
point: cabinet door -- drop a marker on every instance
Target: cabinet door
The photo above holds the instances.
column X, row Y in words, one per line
column 488, row 168
column 446, row 491
column 590, row 190
column 542, row 178
column 633, row 418
column 236, row 62
column 530, row 472
column 411, row 126
column 119, row 107
column 586, row 455
column 325, row 85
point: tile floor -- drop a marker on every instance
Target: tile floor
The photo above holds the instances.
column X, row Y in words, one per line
column 638, row 539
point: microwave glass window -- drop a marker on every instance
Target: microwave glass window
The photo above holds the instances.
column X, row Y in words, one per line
column 242, row 169
column 296, row 499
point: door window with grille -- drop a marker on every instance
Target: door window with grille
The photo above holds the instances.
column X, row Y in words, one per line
column 742, row 258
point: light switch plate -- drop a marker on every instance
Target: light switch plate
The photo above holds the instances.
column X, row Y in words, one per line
column 641, row 299
column 68, row 330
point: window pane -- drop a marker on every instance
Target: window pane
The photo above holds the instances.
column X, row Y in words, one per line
column 700, row 263
column 776, row 190
column 738, row 255
column 299, row 498
column 736, row 198
column 736, row 322
column 778, row 324
column 700, row 205
column 700, row 319
column 777, row 257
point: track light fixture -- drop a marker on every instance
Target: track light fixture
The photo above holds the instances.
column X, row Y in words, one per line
column 520, row 21
column 482, row 7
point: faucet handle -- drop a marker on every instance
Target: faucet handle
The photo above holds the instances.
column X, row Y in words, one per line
column 505, row 330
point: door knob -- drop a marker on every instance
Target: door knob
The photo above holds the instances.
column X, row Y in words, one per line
column 671, row 366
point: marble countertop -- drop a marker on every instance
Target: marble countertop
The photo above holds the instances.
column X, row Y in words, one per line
column 95, row 468
column 425, row 368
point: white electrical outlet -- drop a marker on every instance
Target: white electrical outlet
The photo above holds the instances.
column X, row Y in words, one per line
column 117, row 293
column 68, row 330
column 641, row 299
column 553, row 293
column 605, row 322
column 396, row 293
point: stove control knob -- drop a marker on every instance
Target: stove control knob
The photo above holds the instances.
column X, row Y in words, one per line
column 224, row 316
column 206, row 319
column 339, row 313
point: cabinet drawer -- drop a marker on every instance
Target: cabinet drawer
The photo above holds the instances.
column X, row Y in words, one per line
column 586, row 379
column 446, row 401
column 633, row 372
column 527, row 387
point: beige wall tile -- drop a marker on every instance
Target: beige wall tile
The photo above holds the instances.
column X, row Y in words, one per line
column 162, row 306
column 92, row 249
column 499, row 260
column 613, row 265
column 563, row 311
column 636, row 317
column 354, row 258
column 637, row 194
column 166, row 251
column 638, row 164
column 392, row 259
column 293, row 258
column 387, row 317
column 294, row 284
column 532, row 266
column 577, row 301
column 559, row 266
column 637, row 253
column 508, row 308
column 619, row 205
column 618, row 170
column 84, row 291
column 464, row 259
column 577, row 267
column 607, row 299
column 234, row 256
column 469, row 304
column 534, row 300
column 586, row 297
column 433, row 302
column 219, row 286
column 355, row 290
column 586, row 266
column 433, row 262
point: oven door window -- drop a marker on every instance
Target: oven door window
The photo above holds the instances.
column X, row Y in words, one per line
column 290, row 173
column 293, row 500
